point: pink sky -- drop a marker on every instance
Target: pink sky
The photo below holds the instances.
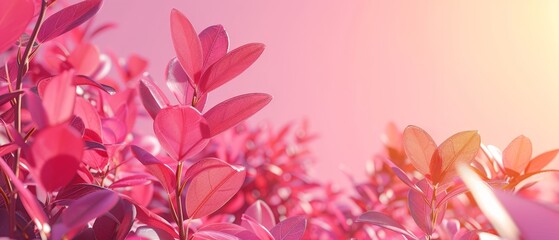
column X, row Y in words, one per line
column 350, row 67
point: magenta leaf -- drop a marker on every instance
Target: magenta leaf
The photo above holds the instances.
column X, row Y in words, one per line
column 83, row 210
column 85, row 59
column 59, row 98
column 230, row 66
column 179, row 83
column 29, row 201
column 34, row 105
column 152, row 97
column 212, row 183
column 382, row 220
column 420, row 206
column 116, row 223
column 262, row 214
column 158, row 169
column 54, row 163
column 153, row 220
column 215, row 44
column 234, row 110
column 291, row 228
column 6, row 97
column 67, row 19
column 186, row 43
column 85, row 80
column 89, row 115
column 182, row 131
column 14, row 18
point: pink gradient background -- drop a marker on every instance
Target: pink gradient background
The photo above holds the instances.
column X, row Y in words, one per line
column 350, row 67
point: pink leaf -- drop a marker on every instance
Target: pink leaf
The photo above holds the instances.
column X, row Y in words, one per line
column 252, row 224
column 262, row 213
column 85, row 209
column 158, row 169
column 28, row 200
column 517, row 154
column 215, row 44
column 57, row 153
column 186, row 43
column 540, row 161
column 420, row 206
column 212, row 184
column 419, row 147
column 382, row 220
column 182, row 131
column 179, row 83
column 85, row 59
column 59, row 98
column 14, row 18
column 88, row 114
column 133, row 180
column 218, row 230
column 234, row 110
column 67, row 19
column 291, row 228
column 152, row 97
column 230, row 66
column 34, row 105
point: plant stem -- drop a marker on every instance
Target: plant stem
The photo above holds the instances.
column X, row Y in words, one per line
column 22, row 70
column 434, row 211
column 179, row 202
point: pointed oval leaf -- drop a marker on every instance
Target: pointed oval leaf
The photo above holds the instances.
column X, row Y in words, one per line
column 384, row 221
column 14, row 18
column 158, row 169
column 250, row 223
column 67, row 19
column 261, row 212
column 230, row 66
column 234, row 110
column 214, row 184
column 540, row 161
column 89, row 115
column 186, row 43
column 517, row 154
column 88, row 207
column 59, row 98
column 182, row 131
column 292, row 228
column 460, row 148
column 179, row 83
column 419, row 147
column 152, row 97
column 55, row 163
column 215, row 44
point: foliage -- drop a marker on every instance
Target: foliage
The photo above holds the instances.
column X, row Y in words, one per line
column 77, row 165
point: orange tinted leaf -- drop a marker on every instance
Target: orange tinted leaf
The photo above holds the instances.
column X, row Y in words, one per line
column 540, row 161
column 517, row 154
column 419, row 147
column 460, row 148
